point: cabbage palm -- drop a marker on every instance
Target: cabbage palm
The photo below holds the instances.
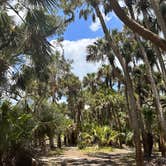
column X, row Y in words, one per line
column 156, row 95
column 90, row 82
column 129, row 85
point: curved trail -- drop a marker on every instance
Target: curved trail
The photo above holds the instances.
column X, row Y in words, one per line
column 72, row 156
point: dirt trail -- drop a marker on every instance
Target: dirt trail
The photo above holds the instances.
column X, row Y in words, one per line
column 72, row 156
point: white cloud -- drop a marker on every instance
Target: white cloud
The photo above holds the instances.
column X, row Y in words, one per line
column 95, row 26
column 122, row 3
column 76, row 51
column 13, row 14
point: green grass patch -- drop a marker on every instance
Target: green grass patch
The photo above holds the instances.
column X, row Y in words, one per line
column 96, row 149
column 55, row 152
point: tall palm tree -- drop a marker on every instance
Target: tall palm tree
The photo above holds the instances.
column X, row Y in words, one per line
column 145, row 9
column 129, row 85
column 90, row 82
column 105, row 72
column 160, row 114
column 100, row 51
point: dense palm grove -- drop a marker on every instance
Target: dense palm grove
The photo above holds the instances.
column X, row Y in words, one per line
column 123, row 103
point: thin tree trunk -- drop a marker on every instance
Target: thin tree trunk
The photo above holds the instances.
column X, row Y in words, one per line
column 59, row 143
column 153, row 84
column 162, row 146
column 51, row 141
column 42, row 144
column 119, row 126
column 154, row 90
column 147, row 144
column 65, row 140
column 162, row 65
column 128, row 107
column 130, row 91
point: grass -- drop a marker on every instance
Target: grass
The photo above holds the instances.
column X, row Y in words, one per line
column 97, row 149
column 55, row 152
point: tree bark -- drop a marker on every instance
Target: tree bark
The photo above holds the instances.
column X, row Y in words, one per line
column 136, row 27
column 59, row 144
column 156, row 49
column 130, row 91
column 154, row 88
column 162, row 146
column 156, row 8
column 152, row 81
column 51, row 141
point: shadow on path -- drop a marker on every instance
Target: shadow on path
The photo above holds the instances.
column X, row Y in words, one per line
column 75, row 157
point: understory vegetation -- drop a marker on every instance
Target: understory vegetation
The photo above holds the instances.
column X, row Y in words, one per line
column 44, row 105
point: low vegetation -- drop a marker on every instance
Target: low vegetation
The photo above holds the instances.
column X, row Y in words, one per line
column 44, row 105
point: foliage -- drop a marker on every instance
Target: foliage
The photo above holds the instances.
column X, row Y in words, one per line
column 100, row 135
column 16, row 127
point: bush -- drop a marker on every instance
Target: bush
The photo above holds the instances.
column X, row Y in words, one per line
column 85, row 140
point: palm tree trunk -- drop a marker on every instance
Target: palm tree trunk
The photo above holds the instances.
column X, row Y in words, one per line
column 162, row 65
column 154, row 90
column 153, row 84
column 128, row 107
column 51, row 141
column 59, row 143
column 118, row 124
column 42, row 144
column 162, row 146
column 147, row 144
column 130, row 91
column 156, row 8
column 156, row 49
column 136, row 27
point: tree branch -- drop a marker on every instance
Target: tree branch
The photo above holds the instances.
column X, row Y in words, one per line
column 136, row 27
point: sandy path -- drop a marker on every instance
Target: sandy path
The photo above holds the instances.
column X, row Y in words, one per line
column 72, row 156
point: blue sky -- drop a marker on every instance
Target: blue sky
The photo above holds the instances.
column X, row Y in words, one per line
column 79, row 35
column 80, row 28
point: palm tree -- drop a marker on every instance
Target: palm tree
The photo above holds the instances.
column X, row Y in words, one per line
column 144, row 7
column 105, row 72
column 130, row 90
column 90, row 82
column 99, row 51
column 161, row 118
column 129, row 85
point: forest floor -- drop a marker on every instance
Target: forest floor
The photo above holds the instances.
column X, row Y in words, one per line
column 74, row 156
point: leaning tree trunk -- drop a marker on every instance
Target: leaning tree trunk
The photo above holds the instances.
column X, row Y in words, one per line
column 160, row 113
column 132, row 102
column 153, row 84
column 160, row 20
column 156, row 49
column 136, row 27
